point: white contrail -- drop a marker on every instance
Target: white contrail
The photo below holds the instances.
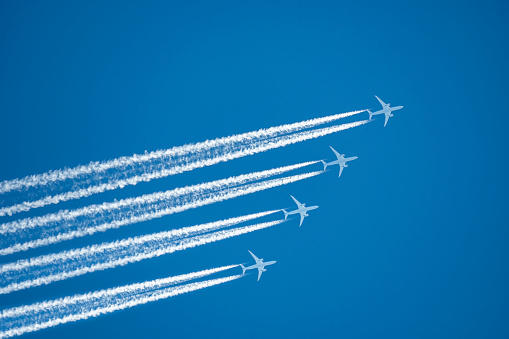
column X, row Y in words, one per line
column 68, row 215
column 190, row 164
column 166, row 235
column 276, row 143
column 46, row 269
column 95, row 168
column 132, row 288
column 139, row 214
column 24, row 319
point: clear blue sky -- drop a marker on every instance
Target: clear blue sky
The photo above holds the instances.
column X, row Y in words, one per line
column 411, row 242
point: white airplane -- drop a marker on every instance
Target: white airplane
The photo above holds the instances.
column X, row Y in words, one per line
column 386, row 109
column 341, row 161
column 260, row 265
column 301, row 209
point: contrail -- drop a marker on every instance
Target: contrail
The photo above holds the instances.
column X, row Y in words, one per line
column 99, row 222
column 199, row 161
column 96, row 168
column 216, row 185
column 24, row 319
column 133, row 288
column 46, row 269
column 172, row 234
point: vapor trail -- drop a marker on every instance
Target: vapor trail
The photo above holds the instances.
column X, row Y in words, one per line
column 196, row 161
column 67, row 215
column 46, row 269
column 147, row 209
column 132, row 288
column 94, row 170
column 24, row 319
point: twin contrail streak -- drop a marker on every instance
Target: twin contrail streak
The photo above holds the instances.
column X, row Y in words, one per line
column 69, row 228
column 66, row 215
column 24, row 319
column 196, row 161
column 95, row 169
column 46, row 269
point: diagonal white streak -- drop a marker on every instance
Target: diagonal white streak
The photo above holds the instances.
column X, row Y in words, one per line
column 223, row 156
column 132, row 288
column 64, row 265
column 100, row 248
column 195, row 202
column 124, row 162
column 67, row 215
column 81, row 307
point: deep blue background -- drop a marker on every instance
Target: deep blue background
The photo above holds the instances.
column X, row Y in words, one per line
column 411, row 242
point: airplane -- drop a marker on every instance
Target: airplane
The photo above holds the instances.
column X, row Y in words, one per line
column 260, row 265
column 341, row 161
column 386, row 109
column 302, row 210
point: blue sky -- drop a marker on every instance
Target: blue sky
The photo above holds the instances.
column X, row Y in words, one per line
column 410, row 242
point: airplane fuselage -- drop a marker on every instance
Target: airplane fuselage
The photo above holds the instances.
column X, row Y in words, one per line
column 385, row 110
column 260, row 265
column 303, row 210
column 340, row 162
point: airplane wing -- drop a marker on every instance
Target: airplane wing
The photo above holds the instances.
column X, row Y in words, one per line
column 254, row 256
column 260, row 271
column 301, row 219
column 296, row 201
column 386, row 119
column 380, row 101
column 335, row 152
column 340, row 170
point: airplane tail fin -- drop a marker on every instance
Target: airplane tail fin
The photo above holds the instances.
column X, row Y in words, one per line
column 324, row 165
column 243, row 269
column 370, row 114
column 286, row 214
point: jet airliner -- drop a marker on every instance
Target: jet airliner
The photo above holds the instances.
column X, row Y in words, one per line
column 301, row 209
column 260, row 265
column 341, row 161
column 386, row 109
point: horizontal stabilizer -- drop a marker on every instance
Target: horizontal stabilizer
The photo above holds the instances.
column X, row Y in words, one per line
column 370, row 114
